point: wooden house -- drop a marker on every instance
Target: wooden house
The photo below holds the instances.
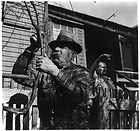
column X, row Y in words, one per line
column 96, row 36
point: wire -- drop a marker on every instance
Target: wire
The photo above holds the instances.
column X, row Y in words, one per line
column 32, row 3
column 21, row 13
column 4, row 3
column 113, row 15
column 71, row 5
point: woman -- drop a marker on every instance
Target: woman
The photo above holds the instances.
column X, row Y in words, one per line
column 103, row 91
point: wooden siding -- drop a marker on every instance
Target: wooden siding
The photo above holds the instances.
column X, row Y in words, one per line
column 17, row 29
column 16, row 32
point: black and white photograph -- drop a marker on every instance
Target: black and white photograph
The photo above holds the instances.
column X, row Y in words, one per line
column 69, row 65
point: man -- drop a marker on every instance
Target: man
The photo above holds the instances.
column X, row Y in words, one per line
column 63, row 88
column 103, row 90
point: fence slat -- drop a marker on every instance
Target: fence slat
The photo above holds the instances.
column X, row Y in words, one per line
column 21, row 118
column 30, row 118
column 38, row 123
column 14, row 118
column 4, row 116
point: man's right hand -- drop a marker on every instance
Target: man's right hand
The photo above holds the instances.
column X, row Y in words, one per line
column 46, row 65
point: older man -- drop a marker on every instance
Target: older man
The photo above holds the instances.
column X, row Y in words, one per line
column 64, row 87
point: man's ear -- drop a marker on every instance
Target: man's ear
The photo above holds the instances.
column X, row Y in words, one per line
column 74, row 54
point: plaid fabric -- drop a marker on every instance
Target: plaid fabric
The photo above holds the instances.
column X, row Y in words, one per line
column 59, row 97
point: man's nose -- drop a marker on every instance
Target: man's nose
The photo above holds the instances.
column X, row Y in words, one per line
column 102, row 68
column 57, row 49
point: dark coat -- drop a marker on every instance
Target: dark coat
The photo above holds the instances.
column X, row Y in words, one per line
column 62, row 100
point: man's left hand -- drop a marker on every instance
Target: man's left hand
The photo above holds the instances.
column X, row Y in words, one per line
column 46, row 65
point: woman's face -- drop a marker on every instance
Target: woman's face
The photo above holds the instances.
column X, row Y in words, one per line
column 102, row 68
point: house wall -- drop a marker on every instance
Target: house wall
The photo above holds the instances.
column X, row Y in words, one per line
column 17, row 29
column 129, row 53
column 99, row 41
column 16, row 32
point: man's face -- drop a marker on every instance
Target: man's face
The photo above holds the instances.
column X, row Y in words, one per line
column 62, row 56
column 102, row 68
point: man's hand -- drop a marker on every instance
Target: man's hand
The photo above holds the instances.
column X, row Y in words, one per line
column 46, row 65
column 35, row 42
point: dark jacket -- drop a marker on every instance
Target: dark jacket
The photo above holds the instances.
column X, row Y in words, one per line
column 63, row 98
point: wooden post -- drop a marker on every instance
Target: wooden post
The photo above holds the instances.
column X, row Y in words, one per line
column 45, row 27
column 120, row 46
